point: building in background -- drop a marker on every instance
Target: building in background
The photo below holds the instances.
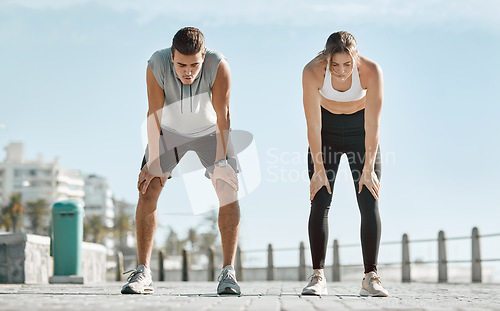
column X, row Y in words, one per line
column 99, row 207
column 99, row 199
column 36, row 179
column 125, row 225
column 48, row 180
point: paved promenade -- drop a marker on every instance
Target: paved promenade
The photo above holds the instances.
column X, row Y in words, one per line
column 256, row 296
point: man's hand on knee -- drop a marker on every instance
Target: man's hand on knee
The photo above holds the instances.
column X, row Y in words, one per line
column 226, row 174
column 145, row 178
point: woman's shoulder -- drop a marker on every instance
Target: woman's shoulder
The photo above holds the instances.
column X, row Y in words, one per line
column 370, row 73
column 368, row 67
column 316, row 67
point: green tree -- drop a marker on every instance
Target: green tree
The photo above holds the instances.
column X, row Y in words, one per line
column 209, row 237
column 199, row 238
column 192, row 238
column 36, row 211
column 12, row 212
column 212, row 219
column 95, row 228
column 172, row 243
column 6, row 219
column 86, row 231
column 123, row 225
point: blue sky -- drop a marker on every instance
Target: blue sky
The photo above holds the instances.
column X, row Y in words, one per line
column 72, row 76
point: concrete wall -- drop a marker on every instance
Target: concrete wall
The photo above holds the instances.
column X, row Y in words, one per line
column 93, row 262
column 25, row 258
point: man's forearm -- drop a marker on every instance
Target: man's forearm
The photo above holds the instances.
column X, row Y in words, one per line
column 223, row 141
column 153, row 124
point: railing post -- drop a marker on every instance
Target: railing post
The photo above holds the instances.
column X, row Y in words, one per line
column 405, row 264
column 270, row 263
column 185, row 265
column 211, row 264
column 239, row 264
column 336, row 262
column 476, row 257
column 302, row 262
column 119, row 266
column 442, row 261
column 161, row 258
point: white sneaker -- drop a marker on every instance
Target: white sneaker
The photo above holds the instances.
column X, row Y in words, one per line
column 227, row 282
column 372, row 286
column 317, row 285
column 139, row 282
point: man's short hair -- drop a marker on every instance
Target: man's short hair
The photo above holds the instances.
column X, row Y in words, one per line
column 188, row 41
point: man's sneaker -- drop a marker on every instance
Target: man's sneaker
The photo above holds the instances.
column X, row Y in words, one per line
column 372, row 286
column 317, row 285
column 227, row 282
column 140, row 281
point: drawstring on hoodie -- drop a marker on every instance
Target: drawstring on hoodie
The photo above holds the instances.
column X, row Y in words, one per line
column 182, row 95
column 191, row 97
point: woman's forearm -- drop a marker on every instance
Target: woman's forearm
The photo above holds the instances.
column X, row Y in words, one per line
column 314, row 138
column 371, row 146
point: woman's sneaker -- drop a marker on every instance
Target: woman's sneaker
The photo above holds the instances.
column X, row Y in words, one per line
column 317, row 285
column 139, row 282
column 372, row 286
column 227, row 282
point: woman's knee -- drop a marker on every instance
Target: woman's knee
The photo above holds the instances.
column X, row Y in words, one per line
column 321, row 200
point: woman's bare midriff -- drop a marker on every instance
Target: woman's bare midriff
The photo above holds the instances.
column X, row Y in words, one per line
column 343, row 107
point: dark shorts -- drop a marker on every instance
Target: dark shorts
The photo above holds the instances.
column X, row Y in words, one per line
column 174, row 146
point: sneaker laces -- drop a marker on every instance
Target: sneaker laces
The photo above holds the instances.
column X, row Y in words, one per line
column 376, row 278
column 225, row 275
column 316, row 275
column 135, row 276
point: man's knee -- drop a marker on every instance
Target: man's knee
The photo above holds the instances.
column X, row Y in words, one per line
column 152, row 192
column 231, row 205
column 221, row 185
column 226, row 193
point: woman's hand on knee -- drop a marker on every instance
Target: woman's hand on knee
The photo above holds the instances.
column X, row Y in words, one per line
column 370, row 180
column 318, row 180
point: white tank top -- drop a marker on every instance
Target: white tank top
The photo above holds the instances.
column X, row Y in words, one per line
column 355, row 92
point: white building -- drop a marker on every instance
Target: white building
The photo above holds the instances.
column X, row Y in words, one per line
column 99, row 202
column 36, row 179
column 128, row 209
column 99, row 199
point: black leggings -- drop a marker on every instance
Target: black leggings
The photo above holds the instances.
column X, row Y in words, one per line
column 341, row 133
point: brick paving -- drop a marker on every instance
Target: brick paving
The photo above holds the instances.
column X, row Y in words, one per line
column 256, row 296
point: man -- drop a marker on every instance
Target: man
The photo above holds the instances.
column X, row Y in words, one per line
column 188, row 95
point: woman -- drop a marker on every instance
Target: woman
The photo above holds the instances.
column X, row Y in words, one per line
column 342, row 102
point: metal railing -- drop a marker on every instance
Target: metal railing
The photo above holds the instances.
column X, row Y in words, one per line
column 405, row 263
